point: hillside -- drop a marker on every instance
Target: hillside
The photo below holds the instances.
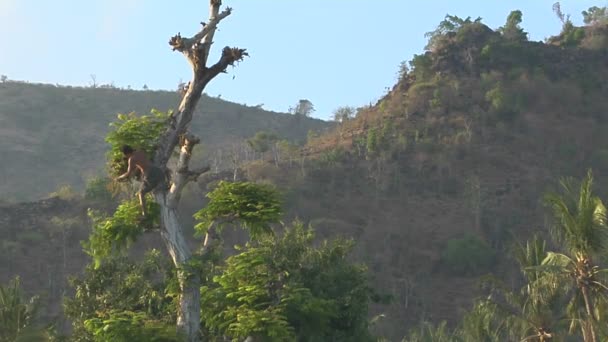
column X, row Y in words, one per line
column 440, row 178
column 52, row 135
column 435, row 182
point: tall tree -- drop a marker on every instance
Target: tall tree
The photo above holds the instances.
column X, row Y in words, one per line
column 16, row 315
column 595, row 15
column 196, row 50
column 303, row 108
column 581, row 231
column 173, row 133
column 512, row 30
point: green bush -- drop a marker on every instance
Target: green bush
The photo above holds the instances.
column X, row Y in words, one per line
column 97, row 190
column 65, row 192
column 468, row 255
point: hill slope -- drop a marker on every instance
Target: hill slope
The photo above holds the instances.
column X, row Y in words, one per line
column 52, row 135
column 440, row 177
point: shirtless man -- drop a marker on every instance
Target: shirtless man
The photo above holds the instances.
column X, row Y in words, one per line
column 152, row 175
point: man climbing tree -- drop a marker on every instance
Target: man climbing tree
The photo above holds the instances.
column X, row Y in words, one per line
column 152, row 176
column 159, row 135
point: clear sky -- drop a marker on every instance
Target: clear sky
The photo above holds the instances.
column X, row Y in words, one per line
column 332, row 52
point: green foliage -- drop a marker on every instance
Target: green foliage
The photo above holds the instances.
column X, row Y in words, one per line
column 97, row 189
column 422, row 67
column 580, row 218
column 254, row 206
column 505, row 104
column 595, row 15
column 483, row 323
column 343, row 114
column 451, row 24
column 65, row 192
column 110, row 234
column 140, row 132
column 283, row 287
column 127, row 326
column 304, row 108
column 119, row 286
column 16, row 315
column 468, row 255
column 572, row 35
column 512, row 30
column 371, row 145
column 262, row 141
column 427, row 332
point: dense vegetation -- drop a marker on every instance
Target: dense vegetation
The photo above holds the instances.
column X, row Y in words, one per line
column 448, row 189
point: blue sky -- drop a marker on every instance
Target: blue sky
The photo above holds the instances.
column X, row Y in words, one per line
column 332, row 52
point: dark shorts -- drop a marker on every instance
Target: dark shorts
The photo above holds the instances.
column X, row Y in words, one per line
column 152, row 178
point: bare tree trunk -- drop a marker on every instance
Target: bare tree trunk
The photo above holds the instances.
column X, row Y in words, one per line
column 196, row 50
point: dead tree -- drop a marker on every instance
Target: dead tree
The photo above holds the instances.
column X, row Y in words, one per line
column 196, row 49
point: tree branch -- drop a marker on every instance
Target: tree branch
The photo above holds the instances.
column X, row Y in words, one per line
column 194, row 174
column 229, row 57
column 197, row 48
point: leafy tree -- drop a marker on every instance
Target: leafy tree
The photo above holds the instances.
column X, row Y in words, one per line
column 16, row 315
column 283, row 288
column 144, row 292
column 571, row 35
column 595, row 15
column 483, row 323
column 403, row 71
column 535, row 311
column 254, row 206
column 131, row 327
column 262, row 141
column 159, row 134
column 98, row 189
column 427, row 332
column 581, row 231
column 512, row 30
column 468, row 255
column 65, row 192
column 343, row 114
column 451, row 24
column 422, row 67
column 303, row 108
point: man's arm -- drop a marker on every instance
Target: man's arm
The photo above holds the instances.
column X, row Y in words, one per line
column 128, row 173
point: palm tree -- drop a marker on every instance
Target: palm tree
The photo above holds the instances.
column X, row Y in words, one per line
column 536, row 310
column 427, row 332
column 15, row 314
column 581, row 231
column 484, row 323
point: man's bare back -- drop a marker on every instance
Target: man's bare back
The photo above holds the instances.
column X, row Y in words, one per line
column 152, row 176
column 139, row 160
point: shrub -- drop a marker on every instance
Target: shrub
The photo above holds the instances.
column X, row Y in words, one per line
column 97, row 190
column 64, row 192
column 468, row 255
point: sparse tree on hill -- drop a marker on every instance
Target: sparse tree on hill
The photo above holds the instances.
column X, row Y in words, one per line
column 512, row 30
column 303, row 108
column 343, row 114
column 451, row 23
column 595, row 15
column 3, row 78
column 93, row 81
